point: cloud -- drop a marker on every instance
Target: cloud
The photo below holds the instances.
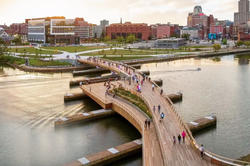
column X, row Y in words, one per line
column 148, row 11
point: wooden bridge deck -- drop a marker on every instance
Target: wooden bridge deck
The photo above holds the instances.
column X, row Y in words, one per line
column 158, row 147
column 151, row 148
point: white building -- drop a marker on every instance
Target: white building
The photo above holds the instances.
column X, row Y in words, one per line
column 192, row 32
column 170, row 43
column 4, row 35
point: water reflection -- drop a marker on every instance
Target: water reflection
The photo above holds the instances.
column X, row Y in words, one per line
column 243, row 59
column 31, row 102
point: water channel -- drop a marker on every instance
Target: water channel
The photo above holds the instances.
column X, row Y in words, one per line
column 29, row 105
column 30, row 102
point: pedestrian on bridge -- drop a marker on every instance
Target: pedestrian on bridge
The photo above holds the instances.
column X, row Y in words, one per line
column 154, row 108
column 174, row 140
column 162, row 116
column 146, row 124
column 179, row 139
column 159, row 108
column 183, row 136
column 153, row 87
column 149, row 123
column 202, row 151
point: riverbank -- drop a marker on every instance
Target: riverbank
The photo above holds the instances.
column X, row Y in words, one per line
column 56, row 69
column 178, row 57
column 127, row 60
column 246, row 158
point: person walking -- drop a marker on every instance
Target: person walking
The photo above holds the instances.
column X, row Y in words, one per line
column 142, row 82
column 179, row 139
column 154, row 108
column 146, row 123
column 149, row 123
column 162, row 116
column 202, row 151
column 174, row 140
column 183, row 136
column 161, row 91
column 153, row 87
column 159, row 108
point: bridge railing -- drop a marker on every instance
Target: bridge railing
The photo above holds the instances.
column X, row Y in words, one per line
column 219, row 160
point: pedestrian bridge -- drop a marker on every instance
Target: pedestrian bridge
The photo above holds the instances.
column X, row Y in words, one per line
column 158, row 147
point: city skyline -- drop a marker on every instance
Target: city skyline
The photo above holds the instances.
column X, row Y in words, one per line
column 139, row 11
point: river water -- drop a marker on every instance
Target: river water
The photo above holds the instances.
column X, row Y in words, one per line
column 222, row 87
column 29, row 105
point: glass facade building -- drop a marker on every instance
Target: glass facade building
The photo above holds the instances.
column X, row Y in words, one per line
column 62, row 27
column 36, row 31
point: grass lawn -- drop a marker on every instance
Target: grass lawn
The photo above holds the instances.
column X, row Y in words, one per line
column 123, row 52
column 33, row 61
column 32, row 50
column 134, row 99
column 140, row 51
column 36, row 56
column 118, row 58
column 39, row 63
column 73, row 49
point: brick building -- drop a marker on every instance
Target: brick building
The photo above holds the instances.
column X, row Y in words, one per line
column 218, row 29
column 164, row 31
column 141, row 31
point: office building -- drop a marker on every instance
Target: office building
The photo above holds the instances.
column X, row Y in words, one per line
column 141, row 31
column 170, row 43
column 59, row 30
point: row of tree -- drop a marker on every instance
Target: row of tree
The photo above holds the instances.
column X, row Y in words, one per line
column 120, row 39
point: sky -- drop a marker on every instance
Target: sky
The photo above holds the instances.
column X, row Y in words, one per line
column 137, row 11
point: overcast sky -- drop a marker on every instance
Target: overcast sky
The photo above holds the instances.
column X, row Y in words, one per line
column 148, row 11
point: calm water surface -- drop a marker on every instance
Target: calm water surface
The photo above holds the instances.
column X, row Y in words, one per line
column 29, row 105
column 222, row 87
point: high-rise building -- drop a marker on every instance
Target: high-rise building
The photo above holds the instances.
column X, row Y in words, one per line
column 243, row 14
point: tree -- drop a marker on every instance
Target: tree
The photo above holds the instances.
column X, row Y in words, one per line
column 131, row 38
column 17, row 40
column 247, row 43
column 239, row 43
column 224, row 41
column 3, row 46
column 185, row 36
column 175, row 35
column 216, row 47
column 120, row 39
column 107, row 38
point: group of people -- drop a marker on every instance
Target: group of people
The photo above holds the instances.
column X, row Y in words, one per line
column 108, row 86
column 179, row 137
column 183, row 136
column 162, row 115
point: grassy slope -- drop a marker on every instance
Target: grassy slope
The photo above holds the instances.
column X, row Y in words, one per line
column 126, row 58
column 32, row 50
column 73, row 49
column 136, row 100
column 33, row 61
